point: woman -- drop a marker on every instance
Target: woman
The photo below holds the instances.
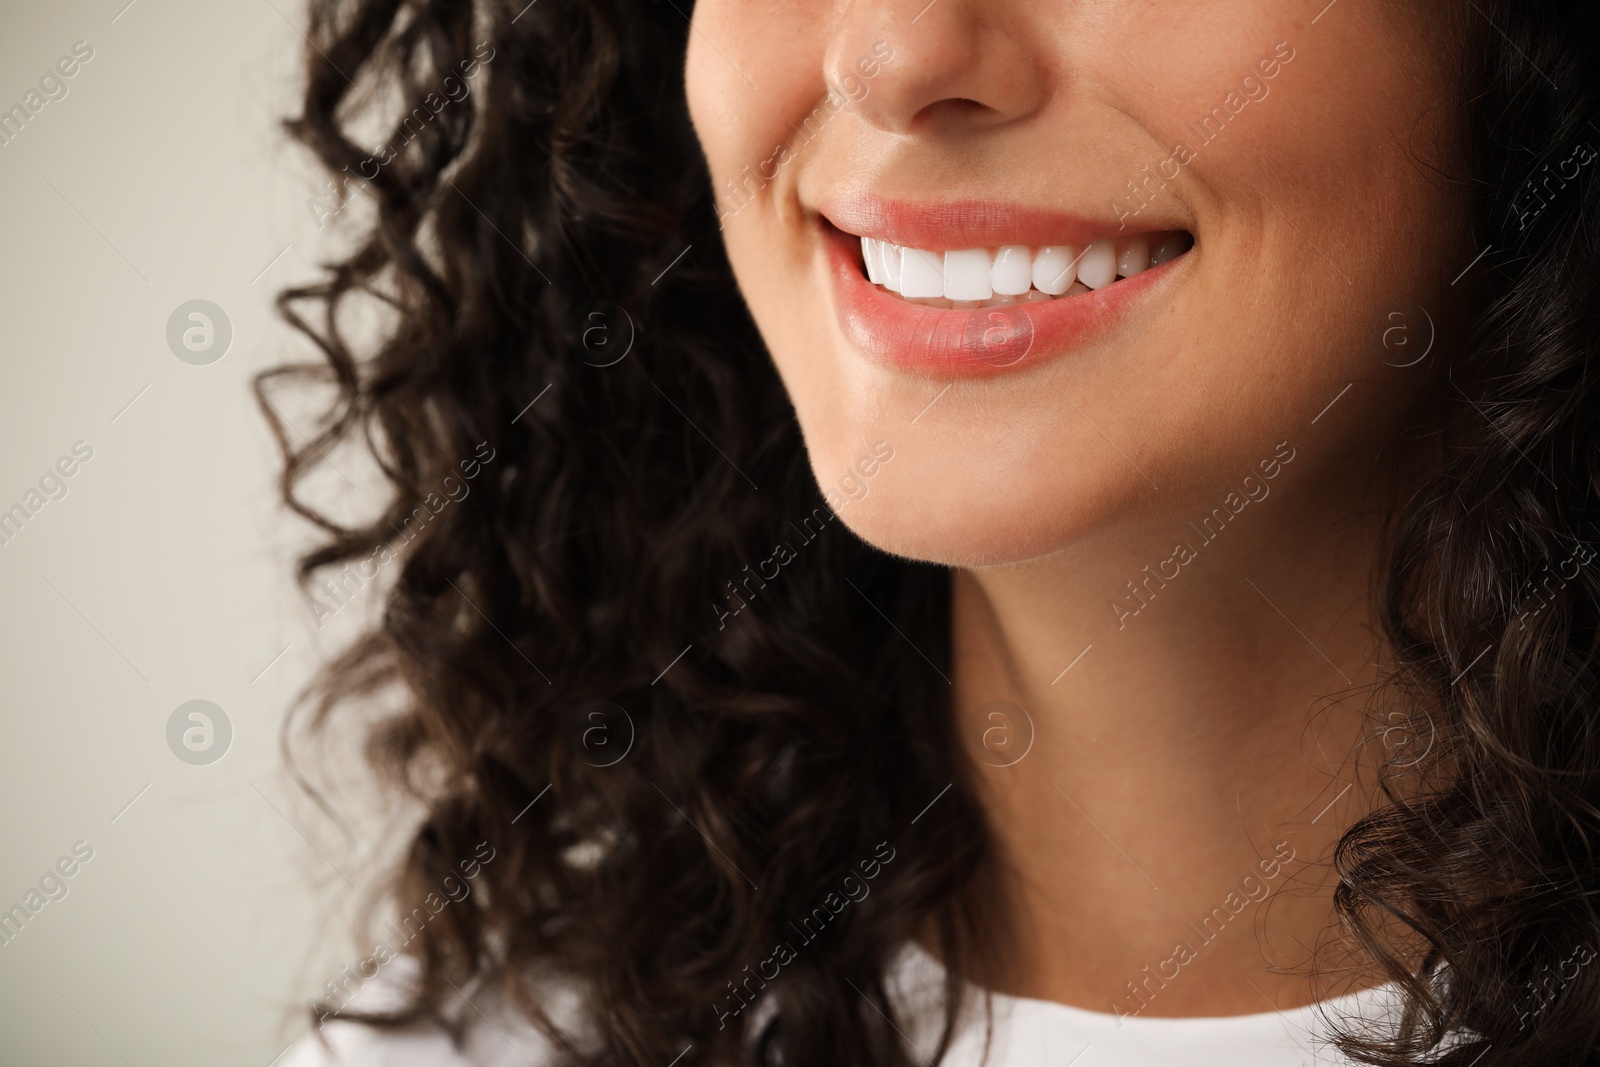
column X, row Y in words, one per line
column 924, row 531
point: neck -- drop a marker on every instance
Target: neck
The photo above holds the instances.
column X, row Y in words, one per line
column 1166, row 765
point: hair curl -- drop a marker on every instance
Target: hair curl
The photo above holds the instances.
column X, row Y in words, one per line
column 773, row 751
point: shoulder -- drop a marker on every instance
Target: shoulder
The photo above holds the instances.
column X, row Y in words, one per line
column 495, row 1035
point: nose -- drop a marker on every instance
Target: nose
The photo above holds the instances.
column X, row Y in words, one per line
column 949, row 63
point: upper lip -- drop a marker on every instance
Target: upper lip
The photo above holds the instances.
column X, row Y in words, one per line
column 952, row 225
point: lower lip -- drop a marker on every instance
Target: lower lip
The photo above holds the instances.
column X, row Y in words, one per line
column 975, row 342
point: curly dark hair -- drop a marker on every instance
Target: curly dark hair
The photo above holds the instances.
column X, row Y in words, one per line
column 515, row 240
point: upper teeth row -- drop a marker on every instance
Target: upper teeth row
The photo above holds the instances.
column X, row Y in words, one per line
column 1012, row 270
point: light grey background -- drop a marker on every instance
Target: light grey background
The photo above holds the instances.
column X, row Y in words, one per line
column 216, row 899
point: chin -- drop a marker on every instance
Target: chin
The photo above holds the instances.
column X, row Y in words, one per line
column 934, row 512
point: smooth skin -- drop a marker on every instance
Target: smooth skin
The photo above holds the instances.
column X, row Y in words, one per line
column 1187, row 740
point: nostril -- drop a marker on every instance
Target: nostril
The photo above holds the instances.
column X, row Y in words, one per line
column 954, row 108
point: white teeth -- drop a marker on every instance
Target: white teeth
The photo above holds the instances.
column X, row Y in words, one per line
column 1013, row 270
column 872, row 254
column 976, row 277
column 1054, row 268
column 921, row 274
column 1133, row 256
column 892, row 257
column 967, row 274
column 1098, row 267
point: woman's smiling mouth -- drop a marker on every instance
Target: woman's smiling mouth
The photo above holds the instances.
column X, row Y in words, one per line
column 1013, row 274
column 975, row 288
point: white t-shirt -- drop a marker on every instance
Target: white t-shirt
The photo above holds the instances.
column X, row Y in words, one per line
column 1026, row 1032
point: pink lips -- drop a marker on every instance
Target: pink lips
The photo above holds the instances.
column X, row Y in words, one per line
column 962, row 342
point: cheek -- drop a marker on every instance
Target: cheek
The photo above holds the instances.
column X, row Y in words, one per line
column 750, row 81
column 749, row 73
column 742, row 127
column 1322, row 207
